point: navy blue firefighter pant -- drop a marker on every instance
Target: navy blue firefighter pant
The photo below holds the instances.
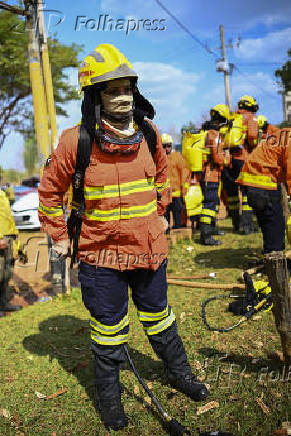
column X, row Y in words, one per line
column 105, row 295
column 268, row 209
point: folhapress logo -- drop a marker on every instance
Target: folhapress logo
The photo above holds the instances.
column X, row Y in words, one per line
column 106, row 23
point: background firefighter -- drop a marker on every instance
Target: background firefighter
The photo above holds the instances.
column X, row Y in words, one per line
column 247, row 107
column 265, row 168
column 8, row 250
column 178, row 174
column 214, row 161
column 265, row 128
column 122, row 239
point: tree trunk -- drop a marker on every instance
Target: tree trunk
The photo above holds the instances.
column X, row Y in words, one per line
column 276, row 268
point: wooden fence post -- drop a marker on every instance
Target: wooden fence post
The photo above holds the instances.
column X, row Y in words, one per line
column 276, row 269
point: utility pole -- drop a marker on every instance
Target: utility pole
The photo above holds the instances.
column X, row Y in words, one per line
column 225, row 68
column 47, row 75
column 38, row 93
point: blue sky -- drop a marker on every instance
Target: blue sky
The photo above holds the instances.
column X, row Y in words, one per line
column 175, row 73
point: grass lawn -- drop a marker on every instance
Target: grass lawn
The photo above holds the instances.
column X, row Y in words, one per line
column 45, row 351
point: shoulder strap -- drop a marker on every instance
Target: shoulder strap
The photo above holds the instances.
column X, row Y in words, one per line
column 82, row 161
column 150, row 136
column 84, row 152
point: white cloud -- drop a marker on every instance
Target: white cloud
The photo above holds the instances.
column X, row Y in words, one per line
column 260, row 85
column 168, row 88
column 272, row 47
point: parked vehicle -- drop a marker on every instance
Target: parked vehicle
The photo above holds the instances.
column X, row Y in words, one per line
column 25, row 212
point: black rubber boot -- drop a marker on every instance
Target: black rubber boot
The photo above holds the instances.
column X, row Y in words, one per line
column 215, row 230
column 108, row 390
column 247, row 226
column 206, row 235
column 235, row 218
column 169, row 347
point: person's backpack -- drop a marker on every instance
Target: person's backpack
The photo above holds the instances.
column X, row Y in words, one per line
column 193, row 148
column 235, row 136
column 74, row 223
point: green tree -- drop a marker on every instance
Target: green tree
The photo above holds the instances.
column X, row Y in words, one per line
column 188, row 127
column 30, row 155
column 284, row 75
column 15, row 89
column 12, row 176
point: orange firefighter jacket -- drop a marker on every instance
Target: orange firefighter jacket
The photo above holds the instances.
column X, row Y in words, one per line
column 124, row 196
column 251, row 140
column 269, row 163
column 179, row 173
column 271, row 130
column 215, row 157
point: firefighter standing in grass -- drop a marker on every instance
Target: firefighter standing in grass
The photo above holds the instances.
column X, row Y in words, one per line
column 179, row 180
column 215, row 159
column 122, row 240
column 245, row 125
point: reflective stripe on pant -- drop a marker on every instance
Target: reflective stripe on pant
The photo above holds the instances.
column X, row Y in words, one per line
column 176, row 207
column 105, row 295
column 269, row 212
column 210, row 201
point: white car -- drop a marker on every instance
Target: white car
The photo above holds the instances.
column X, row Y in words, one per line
column 25, row 212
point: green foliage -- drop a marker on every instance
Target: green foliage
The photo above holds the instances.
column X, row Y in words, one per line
column 11, row 176
column 30, row 155
column 15, row 89
column 188, row 127
column 284, row 75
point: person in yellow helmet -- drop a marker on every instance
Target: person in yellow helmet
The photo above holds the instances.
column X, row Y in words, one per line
column 8, row 235
column 215, row 159
column 265, row 128
column 247, row 108
column 178, row 174
column 121, row 195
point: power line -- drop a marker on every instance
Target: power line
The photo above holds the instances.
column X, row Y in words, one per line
column 180, row 24
column 13, row 9
column 253, row 83
column 209, row 50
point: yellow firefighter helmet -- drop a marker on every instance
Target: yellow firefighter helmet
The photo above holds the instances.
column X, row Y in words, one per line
column 105, row 63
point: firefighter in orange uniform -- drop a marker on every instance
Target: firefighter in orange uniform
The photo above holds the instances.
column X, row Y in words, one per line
column 247, row 107
column 179, row 180
column 265, row 128
column 265, row 168
column 122, row 241
column 215, row 159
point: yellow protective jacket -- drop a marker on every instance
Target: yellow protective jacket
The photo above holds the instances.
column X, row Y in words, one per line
column 178, row 173
column 7, row 224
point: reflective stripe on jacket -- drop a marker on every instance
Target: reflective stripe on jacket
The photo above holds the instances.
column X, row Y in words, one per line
column 120, row 227
column 269, row 163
